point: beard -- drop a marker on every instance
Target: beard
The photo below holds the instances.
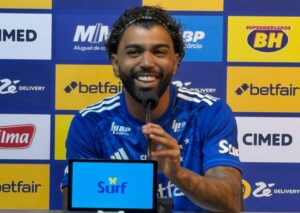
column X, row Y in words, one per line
column 128, row 81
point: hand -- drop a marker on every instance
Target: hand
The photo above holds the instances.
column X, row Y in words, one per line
column 164, row 149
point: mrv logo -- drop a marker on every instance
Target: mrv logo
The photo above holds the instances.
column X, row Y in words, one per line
column 18, row 35
column 192, row 39
column 16, row 137
column 267, row 39
column 276, row 139
column 92, row 34
column 101, row 87
column 272, row 89
column 112, row 187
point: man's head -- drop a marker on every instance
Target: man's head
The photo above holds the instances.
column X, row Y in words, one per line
column 145, row 47
column 146, row 16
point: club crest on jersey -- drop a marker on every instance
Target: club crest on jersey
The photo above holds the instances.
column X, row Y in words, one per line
column 119, row 129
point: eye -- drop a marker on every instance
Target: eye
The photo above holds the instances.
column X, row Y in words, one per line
column 133, row 52
column 161, row 52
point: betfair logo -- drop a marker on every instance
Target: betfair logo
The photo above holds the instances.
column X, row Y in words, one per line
column 20, row 187
column 267, row 41
column 101, row 87
column 112, row 187
column 272, row 89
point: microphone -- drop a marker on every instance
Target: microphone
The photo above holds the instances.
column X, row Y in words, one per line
column 150, row 101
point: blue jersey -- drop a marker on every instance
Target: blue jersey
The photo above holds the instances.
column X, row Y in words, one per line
column 203, row 125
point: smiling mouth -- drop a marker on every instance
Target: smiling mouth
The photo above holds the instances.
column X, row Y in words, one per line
column 146, row 79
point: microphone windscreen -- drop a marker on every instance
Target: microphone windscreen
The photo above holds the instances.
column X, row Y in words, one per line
column 150, row 98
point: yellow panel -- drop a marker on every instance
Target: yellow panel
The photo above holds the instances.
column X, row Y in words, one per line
column 239, row 28
column 62, row 124
column 78, row 86
column 190, row 5
column 26, row 4
column 24, row 186
column 263, row 89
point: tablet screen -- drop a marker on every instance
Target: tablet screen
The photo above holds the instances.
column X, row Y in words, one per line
column 113, row 185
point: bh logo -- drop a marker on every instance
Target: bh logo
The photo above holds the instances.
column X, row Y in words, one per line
column 267, row 41
column 112, row 187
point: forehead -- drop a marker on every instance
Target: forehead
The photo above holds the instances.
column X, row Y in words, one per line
column 137, row 34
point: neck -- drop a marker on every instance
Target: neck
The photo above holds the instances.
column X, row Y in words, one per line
column 138, row 111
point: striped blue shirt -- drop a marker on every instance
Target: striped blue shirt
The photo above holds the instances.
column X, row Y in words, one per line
column 203, row 125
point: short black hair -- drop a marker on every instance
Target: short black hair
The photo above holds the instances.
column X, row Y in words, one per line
column 146, row 16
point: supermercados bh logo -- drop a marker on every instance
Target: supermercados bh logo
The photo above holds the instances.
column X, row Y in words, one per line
column 268, row 38
column 24, row 136
column 25, row 36
column 273, row 140
column 203, row 37
column 263, row 89
column 78, row 86
column 81, row 38
column 25, row 86
column 112, row 186
column 263, row 39
column 28, row 184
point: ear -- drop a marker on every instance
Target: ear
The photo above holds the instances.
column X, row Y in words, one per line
column 176, row 64
column 114, row 63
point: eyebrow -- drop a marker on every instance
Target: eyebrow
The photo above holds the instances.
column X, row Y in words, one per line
column 141, row 47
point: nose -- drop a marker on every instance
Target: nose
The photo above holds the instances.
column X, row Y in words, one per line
column 147, row 60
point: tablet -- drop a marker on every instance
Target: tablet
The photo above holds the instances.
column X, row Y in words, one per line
column 112, row 185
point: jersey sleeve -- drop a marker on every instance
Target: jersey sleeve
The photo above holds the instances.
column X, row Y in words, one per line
column 80, row 141
column 220, row 145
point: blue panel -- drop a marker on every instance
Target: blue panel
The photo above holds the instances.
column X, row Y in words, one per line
column 80, row 37
column 26, row 87
column 204, row 77
column 57, row 171
column 96, row 4
column 262, row 7
column 203, row 37
column 274, row 187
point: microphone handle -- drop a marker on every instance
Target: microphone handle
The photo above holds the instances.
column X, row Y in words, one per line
column 148, row 120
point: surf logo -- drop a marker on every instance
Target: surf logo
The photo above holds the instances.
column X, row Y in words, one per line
column 111, row 186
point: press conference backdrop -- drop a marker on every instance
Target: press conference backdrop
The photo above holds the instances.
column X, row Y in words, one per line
column 53, row 63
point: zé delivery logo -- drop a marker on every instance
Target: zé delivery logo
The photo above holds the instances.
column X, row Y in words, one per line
column 111, row 186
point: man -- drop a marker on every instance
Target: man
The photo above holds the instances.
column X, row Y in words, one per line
column 193, row 136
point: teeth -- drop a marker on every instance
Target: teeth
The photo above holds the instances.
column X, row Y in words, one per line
column 146, row 78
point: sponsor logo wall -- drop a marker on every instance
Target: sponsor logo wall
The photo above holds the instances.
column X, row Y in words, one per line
column 53, row 63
